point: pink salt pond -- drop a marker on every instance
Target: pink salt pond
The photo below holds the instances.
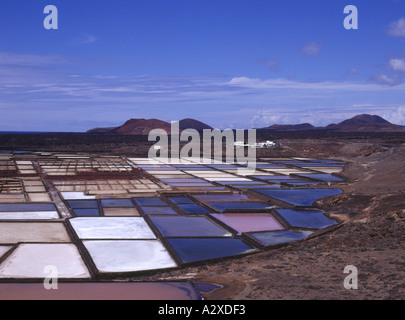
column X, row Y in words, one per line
column 101, row 291
column 249, row 222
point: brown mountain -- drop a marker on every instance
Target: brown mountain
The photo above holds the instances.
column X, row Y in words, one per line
column 365, row 123
column 141, row 127
column 291, row 127
column 144, row 126
column 193, row 124
column 101, row 130
column 359, row 123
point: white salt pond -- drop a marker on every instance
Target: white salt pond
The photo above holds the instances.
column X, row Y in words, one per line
column 33, row 215
column 30, row 260
column 129, row 256
column 112, row 228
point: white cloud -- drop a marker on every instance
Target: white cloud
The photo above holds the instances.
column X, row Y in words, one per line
column 311, row 49
column 395, row 116
column 84, row 38
column 397, row 28
column 386, row 80
column 397, row 64
column 254, row 83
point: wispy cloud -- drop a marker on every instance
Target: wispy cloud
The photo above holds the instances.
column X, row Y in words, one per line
column 254, row 83
column 35, row 94
column 311, row 49
column 397, row 28
column 83, row 39
column 385, row 80
column 24, row 59
column 272, row 64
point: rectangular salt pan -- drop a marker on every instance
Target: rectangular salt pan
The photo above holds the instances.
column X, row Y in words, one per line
column 112, row 228
column 86, row 212
column 129, row 256
column 322, row 177
column 117, row 203
column 24, row 207
column 222, row 197
column 192, row 250
column 193, row 208
column 83, row 204
column 116, row 212
column 14, row 232
column 299, row 197
column 188, row 227
column 163, row 291
column 65, row 257
column 30, row 215
column 306, row 218
column 249, row 222
column 183, row 200
column 144, row 202
column 158, row 210
column 279, row 237
column 226, row 206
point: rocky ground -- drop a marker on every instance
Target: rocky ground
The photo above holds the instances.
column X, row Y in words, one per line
column 371, row 237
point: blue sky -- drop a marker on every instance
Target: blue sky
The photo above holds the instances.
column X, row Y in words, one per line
column 229, row 63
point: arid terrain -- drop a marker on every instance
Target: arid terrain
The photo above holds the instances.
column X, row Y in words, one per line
column 372, row 236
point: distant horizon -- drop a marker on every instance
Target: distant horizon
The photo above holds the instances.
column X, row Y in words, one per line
column 229, row 63
column 39, row 132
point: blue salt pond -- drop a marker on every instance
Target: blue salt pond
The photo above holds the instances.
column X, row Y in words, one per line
column 86, row 212
column 274, row 177
column 83, row 204
column 299, row 197
column 300, row 183
column 326, row 161
column 181, row 200
column 319, row 164
column 322, row 177
column 306, row 218
column 226, row 206
column 193, row 208
column 239, row 183
column 192, row 250
column 150, row 202
column 279, row 237
column 223, row 167
column 117, row 203
column 222, row 197
column 158, row 210
column 188, row 227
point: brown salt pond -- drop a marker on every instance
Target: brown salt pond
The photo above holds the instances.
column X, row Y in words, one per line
column 101, row 291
